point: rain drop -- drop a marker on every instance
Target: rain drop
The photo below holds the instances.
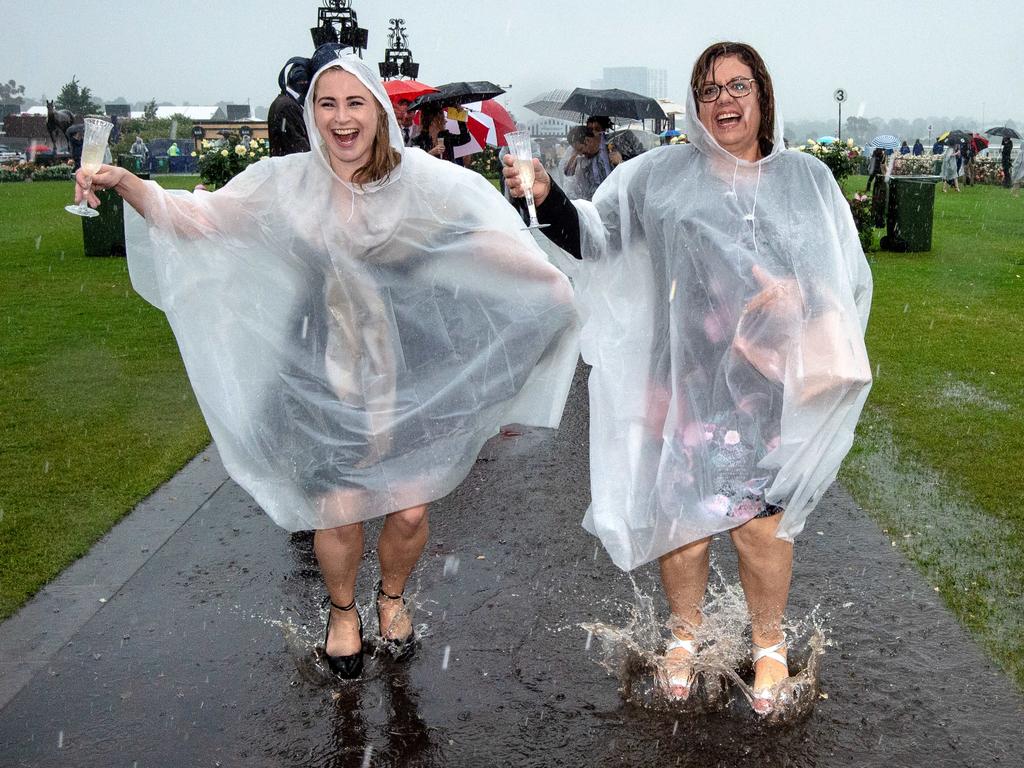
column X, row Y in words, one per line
column 305, row 325
column 451, row 565
column 590, row 636
column 444, row 661
column 367, row 755
column 39, row 240
column 60, row 740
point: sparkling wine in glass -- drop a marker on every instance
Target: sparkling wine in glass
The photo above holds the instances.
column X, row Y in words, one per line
column 521, row 146
column 97, row 131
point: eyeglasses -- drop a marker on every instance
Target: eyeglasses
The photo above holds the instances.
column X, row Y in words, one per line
column 738, row 87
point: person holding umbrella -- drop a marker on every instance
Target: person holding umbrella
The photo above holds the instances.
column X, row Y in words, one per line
column 726, row 297
column 1006, row 157
column 356, row 321
column 950, row 170
column 434, row 137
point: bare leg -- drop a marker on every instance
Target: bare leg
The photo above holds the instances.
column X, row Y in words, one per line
column 338, row 550
column 766, row 568
column 684, row 575
column 399, row 548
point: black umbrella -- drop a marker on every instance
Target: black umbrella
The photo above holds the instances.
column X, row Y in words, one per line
column 549, row 104
column 1003, row 131
column 459, row 93
column 951, row 138
column 612, row 102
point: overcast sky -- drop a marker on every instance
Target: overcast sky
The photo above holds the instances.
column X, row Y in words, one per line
column 895, row 58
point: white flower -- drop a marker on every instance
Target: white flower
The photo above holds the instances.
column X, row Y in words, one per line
column 223, row 153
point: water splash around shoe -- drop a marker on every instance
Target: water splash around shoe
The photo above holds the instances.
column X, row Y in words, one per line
column 724, row 674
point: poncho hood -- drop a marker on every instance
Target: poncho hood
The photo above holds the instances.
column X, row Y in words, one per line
column 355, row 66
column 701, row 138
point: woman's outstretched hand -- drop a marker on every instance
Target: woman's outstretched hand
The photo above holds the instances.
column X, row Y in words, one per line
column 541, row 180
column 106, row 177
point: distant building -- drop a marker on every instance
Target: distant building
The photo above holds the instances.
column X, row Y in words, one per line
column 642, row 80
column 549, row 127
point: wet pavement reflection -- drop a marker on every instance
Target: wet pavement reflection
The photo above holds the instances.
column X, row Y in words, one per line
column 208, row 655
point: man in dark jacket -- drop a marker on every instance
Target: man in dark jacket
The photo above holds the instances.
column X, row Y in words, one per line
column 1007, row 158
column 285, row 125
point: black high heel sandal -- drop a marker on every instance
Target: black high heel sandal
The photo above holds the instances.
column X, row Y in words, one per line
column 400, row 649
column 351, row 666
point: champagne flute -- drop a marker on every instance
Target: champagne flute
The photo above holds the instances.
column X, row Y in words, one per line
column 521, row 146
column 97, row 131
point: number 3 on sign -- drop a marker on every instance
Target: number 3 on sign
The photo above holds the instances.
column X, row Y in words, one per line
column 840, row 95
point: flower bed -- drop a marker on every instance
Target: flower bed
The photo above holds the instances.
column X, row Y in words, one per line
column 26, row 171
column 842, row 158
column 986, row 170
column 221, row 160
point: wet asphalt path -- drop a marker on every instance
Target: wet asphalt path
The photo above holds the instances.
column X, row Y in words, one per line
column 193, row 662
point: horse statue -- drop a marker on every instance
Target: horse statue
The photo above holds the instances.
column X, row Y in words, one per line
column 57, row 123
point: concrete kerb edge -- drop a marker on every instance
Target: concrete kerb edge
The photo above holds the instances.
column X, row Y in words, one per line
column 33, row 635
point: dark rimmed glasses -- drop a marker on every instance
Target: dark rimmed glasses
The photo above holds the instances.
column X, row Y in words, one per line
column 738, row 87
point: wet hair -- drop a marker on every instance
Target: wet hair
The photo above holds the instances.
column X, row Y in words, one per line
column 604, row 122
column 383, row 157
column 704, row 67
column 578, row 134
column 427, row 115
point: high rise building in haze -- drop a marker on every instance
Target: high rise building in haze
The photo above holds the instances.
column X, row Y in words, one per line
column 642, row 80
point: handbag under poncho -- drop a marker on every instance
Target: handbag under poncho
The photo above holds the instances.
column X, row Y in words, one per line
column 724, row 304
column 352, row 347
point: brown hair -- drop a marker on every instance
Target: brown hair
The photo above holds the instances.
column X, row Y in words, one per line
column 383, row 157
column 704, row 67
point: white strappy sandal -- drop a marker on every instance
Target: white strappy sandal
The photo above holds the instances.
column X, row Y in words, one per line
column 678, row 686
column 764, row 699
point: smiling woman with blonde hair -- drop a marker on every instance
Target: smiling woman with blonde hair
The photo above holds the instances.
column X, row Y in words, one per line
column 356, row 321
column 726, row 296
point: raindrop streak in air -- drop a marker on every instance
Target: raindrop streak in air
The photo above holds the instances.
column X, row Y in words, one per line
column 305, row 325
column 39, row 240
column 60, row 740
column 444, row 661
column 367, row 755
column 451, row 565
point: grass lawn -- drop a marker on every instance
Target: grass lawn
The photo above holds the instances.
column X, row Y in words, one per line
column 95, row 407
column 939, row 459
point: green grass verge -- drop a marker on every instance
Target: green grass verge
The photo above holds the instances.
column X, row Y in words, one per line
column 938, row 457
column 96, row 407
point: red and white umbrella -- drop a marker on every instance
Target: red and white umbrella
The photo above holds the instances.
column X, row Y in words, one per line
column 488, row 122
column 407, row 89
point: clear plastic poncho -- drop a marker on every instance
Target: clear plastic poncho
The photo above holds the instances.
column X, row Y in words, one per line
column 353, row 347
column 724, row 305
column 1017, row 170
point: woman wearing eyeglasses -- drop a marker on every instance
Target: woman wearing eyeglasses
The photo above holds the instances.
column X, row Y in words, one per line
column 726, row 296
column 356, row 321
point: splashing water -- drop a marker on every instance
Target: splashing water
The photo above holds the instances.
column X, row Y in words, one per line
column 633, row 653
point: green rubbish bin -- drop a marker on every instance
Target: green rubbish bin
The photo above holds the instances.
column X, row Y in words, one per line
column 132, row 162
column 911, row 208
column 103, row 235
column 160, row 164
